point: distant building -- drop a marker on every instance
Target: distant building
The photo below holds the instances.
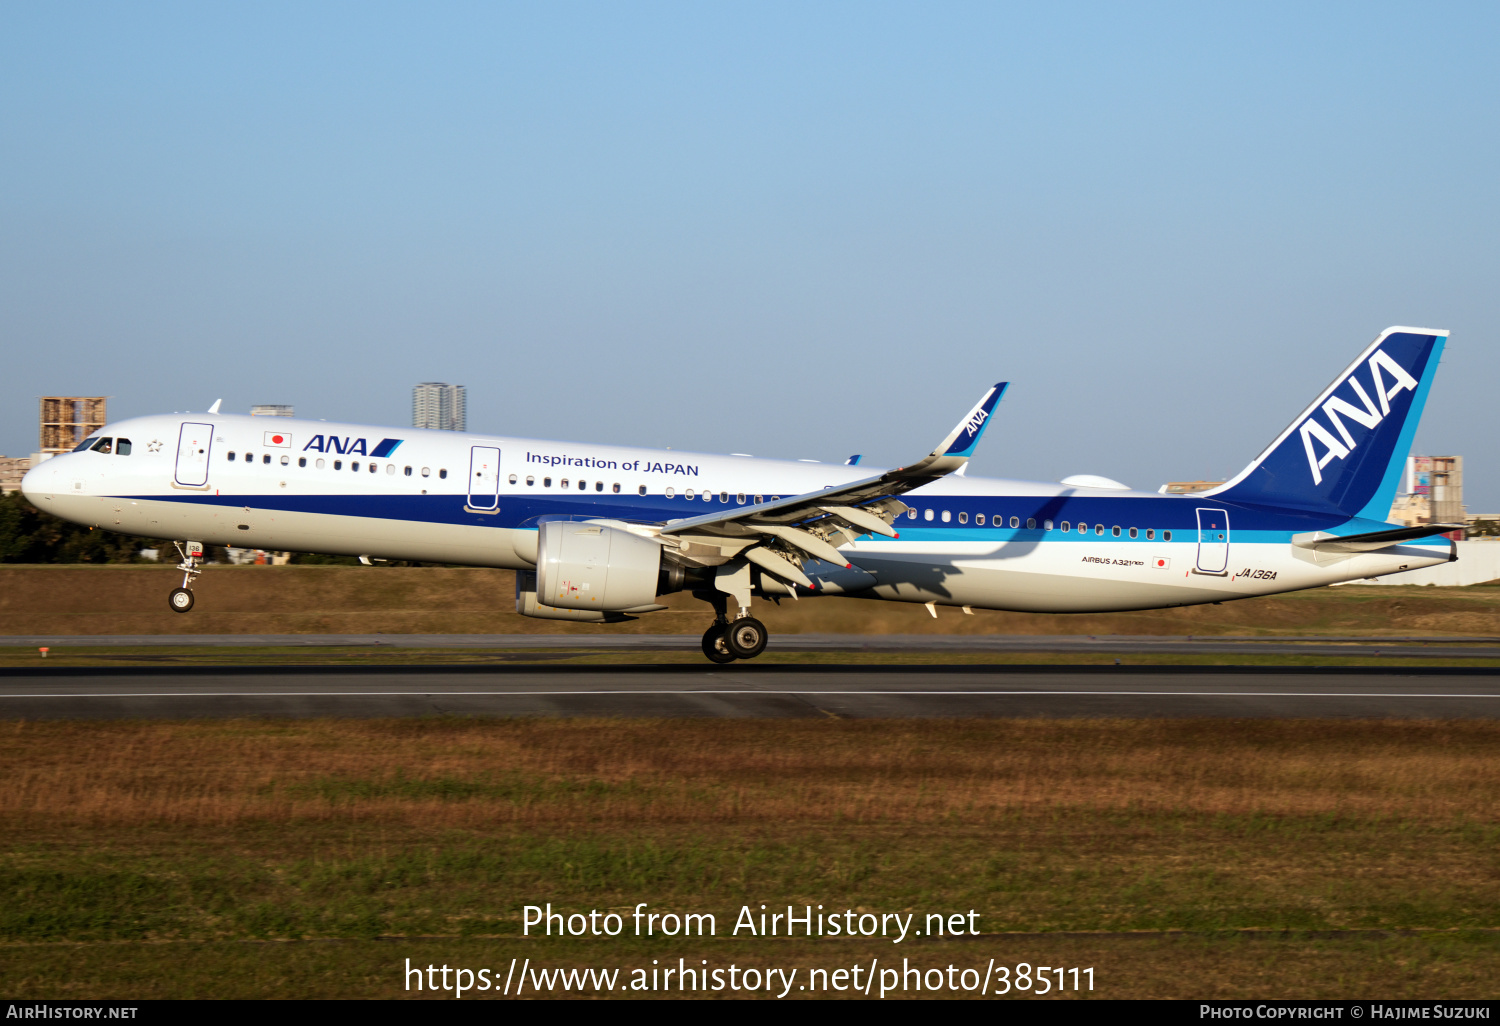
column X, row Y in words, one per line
column 67, row 420
column 12, row 469
column 272, row 410
column 438, row 406
column 1187, row 487
column 1432, row 492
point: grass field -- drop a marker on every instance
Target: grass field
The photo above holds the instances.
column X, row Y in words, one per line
column 398, row 600
column 311, row 858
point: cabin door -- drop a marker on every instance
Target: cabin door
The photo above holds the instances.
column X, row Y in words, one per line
column 193, row 443
column 484, row 477
column 1213, row 541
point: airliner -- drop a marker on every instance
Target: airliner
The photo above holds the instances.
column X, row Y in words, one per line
column 600, row 533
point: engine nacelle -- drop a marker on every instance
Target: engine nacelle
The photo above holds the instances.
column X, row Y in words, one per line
column 527, row 605
column 596, row 567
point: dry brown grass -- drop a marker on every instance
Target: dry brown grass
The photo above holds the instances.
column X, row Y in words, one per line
column 475, row 774
column 398, row 600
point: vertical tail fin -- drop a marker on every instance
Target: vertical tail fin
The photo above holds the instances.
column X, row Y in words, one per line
column 1345, row 452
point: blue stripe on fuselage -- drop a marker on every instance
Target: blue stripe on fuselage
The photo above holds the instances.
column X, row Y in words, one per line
column 1167, row 513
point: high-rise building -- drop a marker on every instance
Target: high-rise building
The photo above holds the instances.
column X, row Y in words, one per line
column 439, row 406
column 68, row 420
column 272, row 410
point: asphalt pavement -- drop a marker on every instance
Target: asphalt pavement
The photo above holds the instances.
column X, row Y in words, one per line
column 1390, row 647
column 748, row 691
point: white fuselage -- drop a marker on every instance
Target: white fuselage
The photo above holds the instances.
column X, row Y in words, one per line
column 438, row 496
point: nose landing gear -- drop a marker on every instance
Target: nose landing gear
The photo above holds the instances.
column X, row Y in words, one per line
column 181, row 599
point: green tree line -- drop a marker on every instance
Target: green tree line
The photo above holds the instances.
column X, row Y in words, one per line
column 28, row 535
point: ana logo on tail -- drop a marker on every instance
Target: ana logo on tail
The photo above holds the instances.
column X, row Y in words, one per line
column 1366, row 414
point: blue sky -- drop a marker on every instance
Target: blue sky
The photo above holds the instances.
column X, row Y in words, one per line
column 800, row 230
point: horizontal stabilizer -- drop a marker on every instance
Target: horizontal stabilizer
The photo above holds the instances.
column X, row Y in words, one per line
column 1374, row 541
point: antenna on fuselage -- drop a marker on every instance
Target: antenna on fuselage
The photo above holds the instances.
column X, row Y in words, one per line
column 215, row 407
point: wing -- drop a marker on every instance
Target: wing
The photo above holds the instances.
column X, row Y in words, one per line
column 780, row 536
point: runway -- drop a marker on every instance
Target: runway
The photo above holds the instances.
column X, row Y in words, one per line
column 773, row 691
column 1389, row 647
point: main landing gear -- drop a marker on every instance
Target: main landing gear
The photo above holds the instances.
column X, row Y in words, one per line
column 181, row 599
column 745, row 638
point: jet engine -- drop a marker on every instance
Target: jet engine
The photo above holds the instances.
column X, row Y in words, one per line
column 597, row 568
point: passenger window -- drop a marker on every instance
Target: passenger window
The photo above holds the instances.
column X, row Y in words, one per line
column 911, row 514
column 708, row 496
column 122, row 447
column 301, row 461
column 689, row 493
column 616, row 488
column 947, row 516
column 1115, row 530
column 1015, row 521
column 374, row 467
column 286, row 461
column 979, row 519
column 775, row 498
column 740, row 498
column 546, row 482
column 1066, row 527
column 354, row 466
column 1099, row 529
column 338, row 464
column 512, row 479
column 599, row 486
column 927, row 514
column 390, row 468
column 266, row 458
column 563, row 483
column 724, row 497
column 320, row 465
column 670, row 493
column 1046, row 525
column 105, row 445
column 1150, row 534
column 426, row 471
column 443, row 473
column 231, row 455
column 963, row 518
column 1031, row 523
column 1132, row 532
column 249, row 457
column 530, row 481
column 759, row 499
column 641, row 490
column 1166, row 536
column 583, row 486
column 408, row 472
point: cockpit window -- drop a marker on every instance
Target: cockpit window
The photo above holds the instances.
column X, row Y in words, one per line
column 87, row 443
column 105, row 445
column 122, row 447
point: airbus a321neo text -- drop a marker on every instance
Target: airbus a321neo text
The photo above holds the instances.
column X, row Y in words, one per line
column 601, row 533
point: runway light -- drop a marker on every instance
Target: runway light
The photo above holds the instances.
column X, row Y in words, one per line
column 44, row 650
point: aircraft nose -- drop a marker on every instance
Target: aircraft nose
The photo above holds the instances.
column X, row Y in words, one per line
column 38, row 480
